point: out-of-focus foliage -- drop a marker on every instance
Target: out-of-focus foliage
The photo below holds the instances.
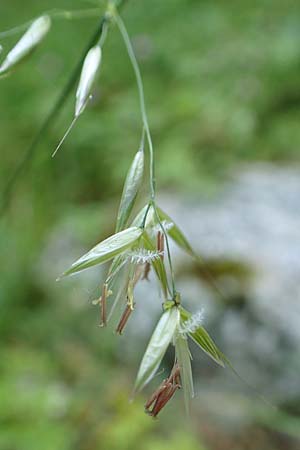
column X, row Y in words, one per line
column 222, row 83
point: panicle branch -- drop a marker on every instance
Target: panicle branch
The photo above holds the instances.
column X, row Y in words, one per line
column 139, row 245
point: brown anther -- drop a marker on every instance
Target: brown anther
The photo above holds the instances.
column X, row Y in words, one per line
column 160, row 243
column 147, row 268
column 155, row 394
column 124, row 318
column 163, row 399
column 103, row 304
column 164, row 393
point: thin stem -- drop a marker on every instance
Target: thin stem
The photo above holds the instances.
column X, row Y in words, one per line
column 54, row 14
column 146, row 214
column 74, row 14
column 139, row 80
column 174, row 291
column 103, row 34
column 142, row 144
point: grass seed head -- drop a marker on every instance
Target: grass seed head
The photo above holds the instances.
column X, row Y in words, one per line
column 28, row 42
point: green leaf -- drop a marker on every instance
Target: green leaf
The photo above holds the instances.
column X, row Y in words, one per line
column 201, row 337
column 106, row 250
column 157, row 265
column 184, row 361
column 157, row 347
column 28, row 42
column 175, row 233
column 131, row 187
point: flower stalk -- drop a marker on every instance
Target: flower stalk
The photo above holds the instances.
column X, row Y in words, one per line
column 137, row 246
column 152, row 179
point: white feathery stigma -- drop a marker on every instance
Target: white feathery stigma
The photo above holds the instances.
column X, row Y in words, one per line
column 158, row 227
column 194, row 322
column 142, row 256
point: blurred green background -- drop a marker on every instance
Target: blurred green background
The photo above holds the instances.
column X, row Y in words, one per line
column 222, row 84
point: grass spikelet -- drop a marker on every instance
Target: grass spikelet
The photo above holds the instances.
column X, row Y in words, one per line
column 83, row 94
column 28, row 42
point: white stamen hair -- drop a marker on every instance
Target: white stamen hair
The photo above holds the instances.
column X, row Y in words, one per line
column 142, row 256
column 194, row 322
